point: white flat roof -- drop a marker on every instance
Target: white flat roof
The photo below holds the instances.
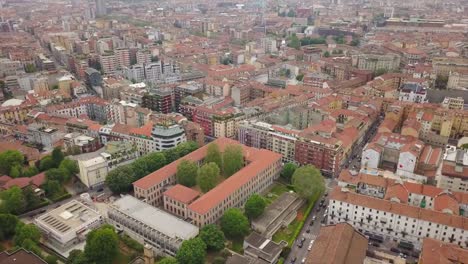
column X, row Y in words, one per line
column 164, row 222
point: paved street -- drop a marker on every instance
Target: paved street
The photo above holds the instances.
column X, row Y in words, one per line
column 301, row 253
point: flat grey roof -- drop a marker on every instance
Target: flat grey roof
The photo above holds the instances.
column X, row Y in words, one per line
column 149, row 215
column 68, row 217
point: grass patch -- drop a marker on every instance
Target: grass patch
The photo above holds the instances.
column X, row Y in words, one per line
column 122, row 258
column 275, row 192
column 236, row 245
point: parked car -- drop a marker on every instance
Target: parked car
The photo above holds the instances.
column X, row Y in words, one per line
column 308, row 231
column 395, row 250
column 293, row 260
column 303, row 260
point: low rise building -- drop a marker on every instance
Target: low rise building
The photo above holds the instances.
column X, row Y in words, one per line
column 68, row 224
column 46, row 136
column 338, row 244
column 177, row 199
column 278, row 214
column 150, row 225
column 95, row 166
column 258, row 247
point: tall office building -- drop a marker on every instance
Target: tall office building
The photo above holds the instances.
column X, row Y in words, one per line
column 101, row 9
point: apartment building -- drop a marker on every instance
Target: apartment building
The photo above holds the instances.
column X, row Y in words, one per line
column 46, row 136
column 458, row 80
column 374, row 62
column 454, row 173
column 159, row 100
column 395, row 220
column 453, row 103
column 445, row 65
column 262, row 167
column 413, row 92
column 150, row 225
column 167, row 135
column 108, row 62
column 263, row 135
column 135, row 73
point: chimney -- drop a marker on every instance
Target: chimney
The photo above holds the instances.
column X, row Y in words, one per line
column 148, row 254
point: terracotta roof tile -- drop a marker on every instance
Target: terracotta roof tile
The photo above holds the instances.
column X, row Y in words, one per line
column 182, row 194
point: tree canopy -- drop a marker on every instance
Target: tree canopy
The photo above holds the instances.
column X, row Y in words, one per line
column 307, row 181
column 10, row 159
column 192, row 251
column 26, row 232
column 102, row 245
column 213, row 237
column 46, row 163
column 187, row 173
column 120, row 179
column 8, row 224
column 234, row 223
column 233, row 160
column 254, row 206
column 294, row 42
column 288, row 171
column 213, row 154
column 57, row 156
column 70, row 166
column 208, row 176
column 13, row 201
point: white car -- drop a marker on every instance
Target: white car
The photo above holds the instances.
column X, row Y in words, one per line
column 303, row 260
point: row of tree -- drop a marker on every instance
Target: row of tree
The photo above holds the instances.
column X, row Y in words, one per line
column 208, row 175
column 120, row 179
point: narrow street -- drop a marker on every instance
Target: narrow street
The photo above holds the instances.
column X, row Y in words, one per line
column 298, row 254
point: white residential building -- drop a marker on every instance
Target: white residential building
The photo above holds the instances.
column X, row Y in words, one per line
column 393, row 220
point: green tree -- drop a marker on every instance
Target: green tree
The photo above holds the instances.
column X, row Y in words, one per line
column 30, row 171
column 102, row 245
column 15, row 171
column 10, row 159
column 70, row 166
column 291, row 13
column 57, row 156
column 24, row 232
column 30, row 245
column 32, row 200
column 187, row 173
column 77, row 256
column 168, row 260
column 213, row 237
column 51, row 259
column 208, row 176
column 288, row 171
column 307, row 181
column 52, row 188
column 233, row 159
column 464, row 146
column 294, row 42
column 8, row 224
column 254, row 206
column 13, row 201
column 29, row 68
column 60, row 175
column 326, row 54
column 46, row 163
column 120, row 179
column 300, row 77
column 147, row 164
column 234, row 223
column 213, row 154
column 192, row 251
column 185, row 148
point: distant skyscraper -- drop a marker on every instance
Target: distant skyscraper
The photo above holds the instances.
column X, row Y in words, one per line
column 101, row 9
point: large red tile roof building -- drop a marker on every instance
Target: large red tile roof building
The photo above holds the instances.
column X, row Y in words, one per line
column 261, row 168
